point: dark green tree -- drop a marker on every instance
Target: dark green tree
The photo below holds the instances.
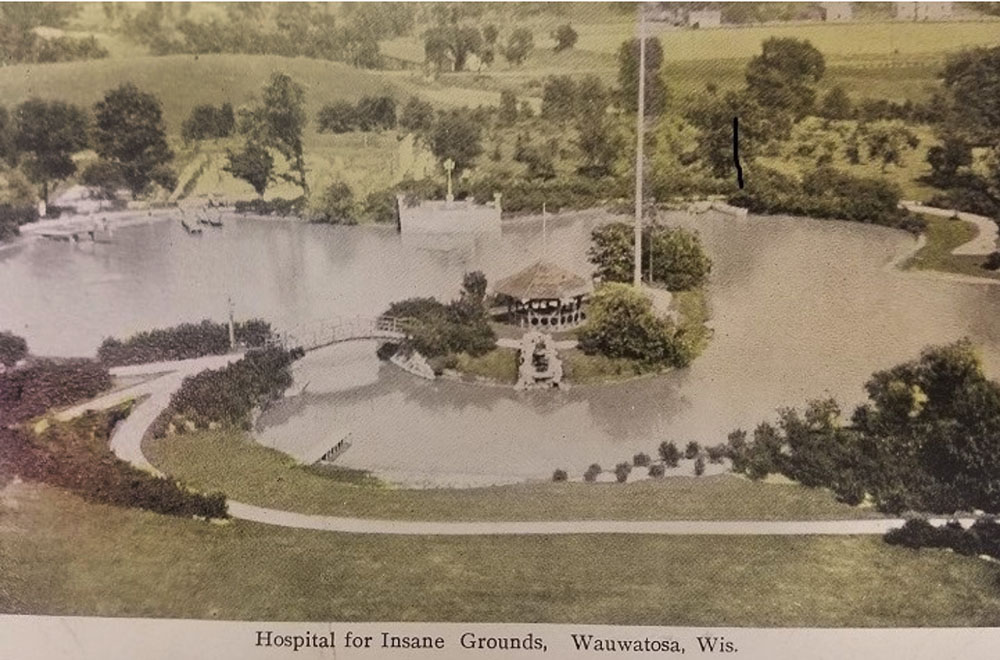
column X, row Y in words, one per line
column 559, row 98
column 337, row 117
column 456, row 135
column 519, row 46
column 377, row 113
column 565, row 37
column 48, row 133
column 507, row 113
column 279, row 121
column 628, row 76
column 130, row 134
column 836, row 104
column 783, row 77
column 254, row 164
column 417, row 116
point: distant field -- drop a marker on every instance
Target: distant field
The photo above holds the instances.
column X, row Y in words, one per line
column 832, row 39
column 63, row 556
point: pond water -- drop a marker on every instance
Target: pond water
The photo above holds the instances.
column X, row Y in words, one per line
column 800, row 309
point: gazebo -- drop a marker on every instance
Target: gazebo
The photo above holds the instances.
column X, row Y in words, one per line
column 544, row 295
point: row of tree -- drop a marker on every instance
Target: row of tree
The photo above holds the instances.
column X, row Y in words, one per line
column 125, row 128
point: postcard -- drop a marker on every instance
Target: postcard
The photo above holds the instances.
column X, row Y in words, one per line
column 474, row 329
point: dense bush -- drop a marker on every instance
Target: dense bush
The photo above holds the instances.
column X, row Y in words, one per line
column 621, row 324
column 521, row 195
column 228, row 396
column 278, row 206
column 591, row 472
column 335, row 205
column 673, row 256
column 12, row 216
column 43, row 384
column 436, row 329
column 182, row 342
column 76, row 456
column 208, row 122
column 641, row 459
column 981, row 538
column 622, row 470
column 699, row 466
column 992, row 261
column 826, row 193
column 372, row 113
column 669, row 454
column 559, row 475
column 692, row 450
column 716, row 453
column 12, row 348
column 657, row 470
column 925, row 441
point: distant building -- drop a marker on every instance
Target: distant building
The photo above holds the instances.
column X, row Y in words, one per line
column 704, row 18
column 924, row 11
column 836, row 12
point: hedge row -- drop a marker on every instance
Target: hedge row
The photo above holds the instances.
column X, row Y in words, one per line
column 278, row 206
column 43, row 384
column 228, row 396
column 75, row 456
column 181, row 342
column 827, row 193
column 981, row 538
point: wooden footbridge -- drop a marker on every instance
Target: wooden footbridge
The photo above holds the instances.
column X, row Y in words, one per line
column 339, row 329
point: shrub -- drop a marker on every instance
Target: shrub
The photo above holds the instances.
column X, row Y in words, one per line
column 992, row 261
column 591, row 473
column 229, row 395
column 640, row 460
column 716, row 453
column 559, row 475
column 622, row 470
column 437, row 329
column 622, row 324
column 76, row 456
column 338, row 117
column 699, row 466
column 182, row 342
column 277, row 206
column 12, row 349
column 335, row 205
column 209, row 122
column 692, row 450
column 656, row 470
column 43, row 384
column 669, row 454
column 915, row 533
column 825, row 193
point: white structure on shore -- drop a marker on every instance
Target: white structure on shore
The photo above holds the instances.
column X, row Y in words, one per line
column 447, row 216
column 836, row 12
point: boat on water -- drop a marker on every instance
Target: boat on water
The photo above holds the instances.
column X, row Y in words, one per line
column 189, row 228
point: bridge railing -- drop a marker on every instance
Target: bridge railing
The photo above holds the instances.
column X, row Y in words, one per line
column 332, row 331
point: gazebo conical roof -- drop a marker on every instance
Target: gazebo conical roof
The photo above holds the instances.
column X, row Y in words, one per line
column 544, row 280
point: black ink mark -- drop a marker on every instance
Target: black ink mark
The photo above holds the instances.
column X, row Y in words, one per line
column 736, row 151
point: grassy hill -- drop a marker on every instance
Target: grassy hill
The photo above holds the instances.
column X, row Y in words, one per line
column 184, row 81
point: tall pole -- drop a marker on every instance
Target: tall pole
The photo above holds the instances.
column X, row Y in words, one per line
column 640, row 129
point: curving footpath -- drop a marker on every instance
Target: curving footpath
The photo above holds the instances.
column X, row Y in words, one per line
column 981, row 245
column 165, row 378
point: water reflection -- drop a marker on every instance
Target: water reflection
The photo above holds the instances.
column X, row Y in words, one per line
column 800, row 309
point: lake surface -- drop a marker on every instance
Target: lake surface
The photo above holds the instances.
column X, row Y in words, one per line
column 800, row 308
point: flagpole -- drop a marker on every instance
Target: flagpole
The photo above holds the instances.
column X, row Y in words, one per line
column 640, row 139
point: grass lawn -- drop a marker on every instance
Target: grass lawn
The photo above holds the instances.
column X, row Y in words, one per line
column 943, row 236
column 63, row 556
column 229, row 461
column 498, row 366
column 582, row 369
